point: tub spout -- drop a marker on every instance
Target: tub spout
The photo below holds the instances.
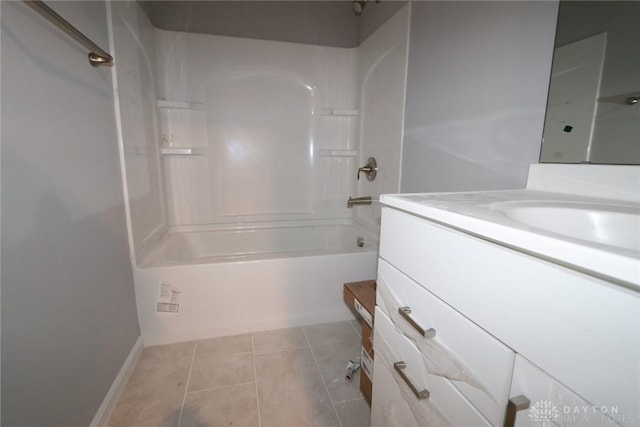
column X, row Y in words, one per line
column 358, row 201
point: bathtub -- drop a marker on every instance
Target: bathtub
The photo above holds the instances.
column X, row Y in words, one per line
column 249, row 279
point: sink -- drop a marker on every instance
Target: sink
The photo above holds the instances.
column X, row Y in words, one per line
column 612, row 225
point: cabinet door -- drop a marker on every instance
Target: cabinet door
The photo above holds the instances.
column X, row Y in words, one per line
column 396, row 404
column 388, row 408
column 480, row 366
column 551, row 403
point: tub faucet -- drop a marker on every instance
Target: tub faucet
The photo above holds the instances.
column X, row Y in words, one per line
column 366, row 200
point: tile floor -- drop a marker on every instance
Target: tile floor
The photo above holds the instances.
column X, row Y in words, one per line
column 285, row 378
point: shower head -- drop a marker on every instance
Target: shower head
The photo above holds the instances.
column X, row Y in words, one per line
column 358, row 5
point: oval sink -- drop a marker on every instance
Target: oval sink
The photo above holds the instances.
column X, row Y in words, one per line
column 617, row 226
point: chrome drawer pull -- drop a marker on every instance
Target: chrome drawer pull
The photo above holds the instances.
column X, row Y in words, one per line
column 399, row 367
column 515, row 404
column 405, row 312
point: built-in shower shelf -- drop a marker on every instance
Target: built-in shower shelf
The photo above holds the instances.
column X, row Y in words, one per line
column 339, row 112
column 182, row 151
column 337, row 153
column 179, row 105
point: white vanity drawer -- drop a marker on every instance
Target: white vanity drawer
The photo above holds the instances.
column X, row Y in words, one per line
column 551, row 403
column 393, row 401
column 579, row 329
column 486, row 360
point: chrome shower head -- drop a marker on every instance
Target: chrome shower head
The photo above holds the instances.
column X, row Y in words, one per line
column 358, row 5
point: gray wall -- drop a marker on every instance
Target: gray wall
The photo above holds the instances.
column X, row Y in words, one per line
column 68, row 309
column 375, row 14
column 329, row 23
column 477, row 87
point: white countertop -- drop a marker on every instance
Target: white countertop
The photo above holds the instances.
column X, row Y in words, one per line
column 485, row 214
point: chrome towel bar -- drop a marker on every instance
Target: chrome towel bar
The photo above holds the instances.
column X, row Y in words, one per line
column 97, row 56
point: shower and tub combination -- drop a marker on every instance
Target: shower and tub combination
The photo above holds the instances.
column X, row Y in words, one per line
column 241, row 158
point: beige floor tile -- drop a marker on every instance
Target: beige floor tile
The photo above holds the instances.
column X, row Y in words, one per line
column 341, row 389
column 288, row 370
column 163, row 380
column 153, row 395
column 224, row 346
column 146, row 412
column 332, row 362
column 335, row 334
column 179, row 353
column 162, row 371
column 354, row 413
column 291, row 391
column 221, row 371
column 165, row 358
column 279, row 340
column 291, row 379
column 319, row 414
column 229, row 406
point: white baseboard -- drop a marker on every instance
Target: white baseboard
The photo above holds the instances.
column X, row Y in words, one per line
column 110, row 400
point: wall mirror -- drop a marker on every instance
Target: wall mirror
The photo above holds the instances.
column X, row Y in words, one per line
column 593, row 110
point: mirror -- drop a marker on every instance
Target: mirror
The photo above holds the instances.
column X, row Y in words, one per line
column 593, row 110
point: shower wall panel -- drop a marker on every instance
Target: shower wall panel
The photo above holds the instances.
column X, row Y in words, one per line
column 134, row 77
column 382, row 71
column 255, row 130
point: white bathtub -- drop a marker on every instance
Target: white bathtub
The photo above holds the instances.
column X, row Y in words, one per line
column 250, row 279
column 245, row 244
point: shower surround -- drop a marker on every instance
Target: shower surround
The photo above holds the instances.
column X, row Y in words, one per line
column 240, row 155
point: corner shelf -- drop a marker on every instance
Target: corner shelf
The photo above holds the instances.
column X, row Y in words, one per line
column 179, row 105
column 182, row 151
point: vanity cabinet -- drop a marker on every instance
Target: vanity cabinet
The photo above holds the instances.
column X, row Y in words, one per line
column 405, row 394
column 547, row 401
column 471, row 360
column 503, row 316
